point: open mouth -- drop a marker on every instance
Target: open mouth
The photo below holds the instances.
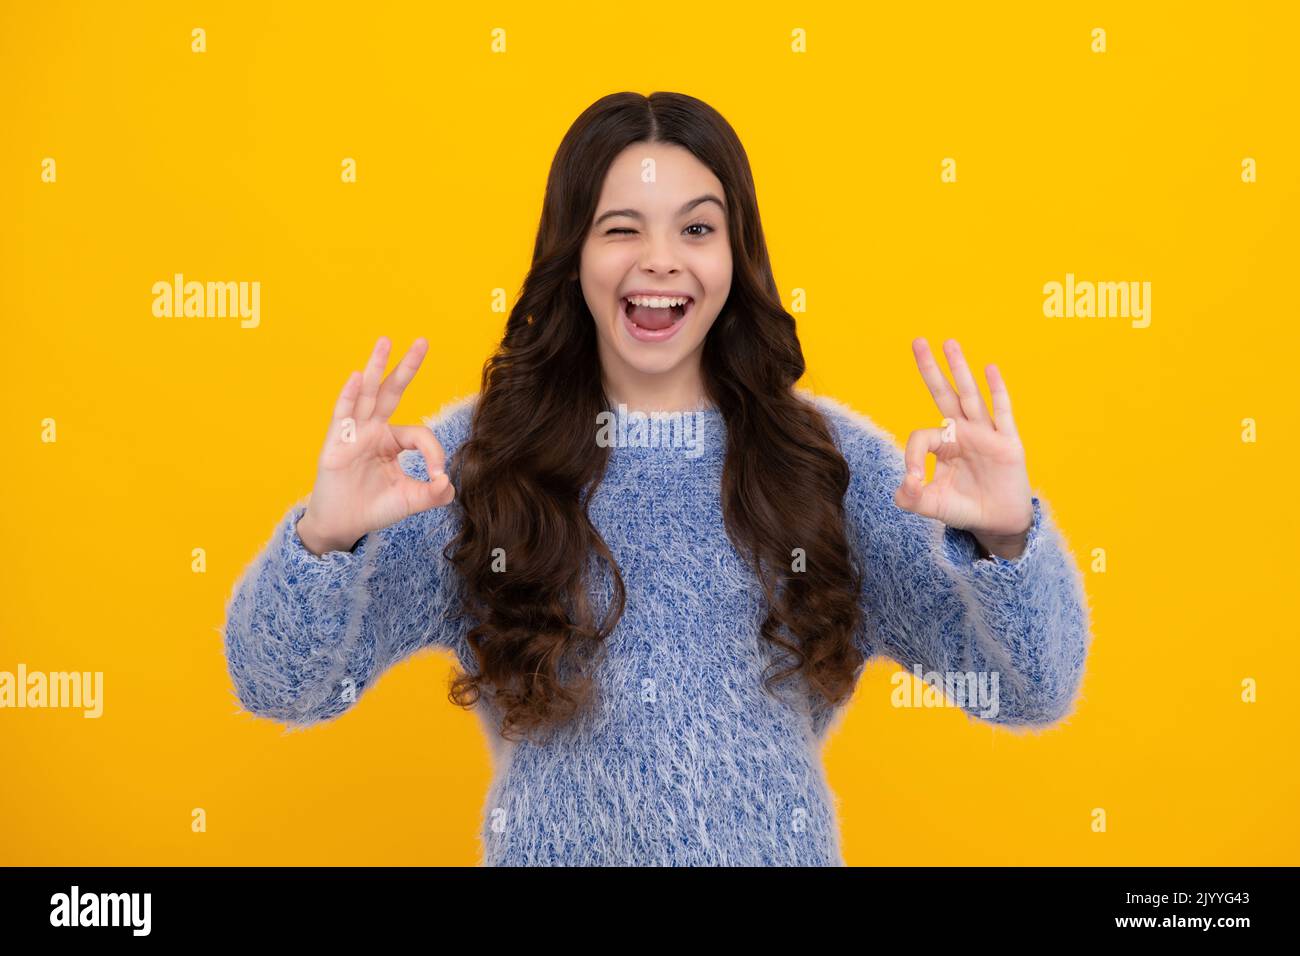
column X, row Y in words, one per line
column 653, row 324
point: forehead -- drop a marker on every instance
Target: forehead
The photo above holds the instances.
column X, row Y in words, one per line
column 657, row 176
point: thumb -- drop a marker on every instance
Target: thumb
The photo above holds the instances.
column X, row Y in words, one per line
column 435, row 493
column 911, row 488
column 910, row 494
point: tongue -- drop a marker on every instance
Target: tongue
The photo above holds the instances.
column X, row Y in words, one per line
column 651, row 318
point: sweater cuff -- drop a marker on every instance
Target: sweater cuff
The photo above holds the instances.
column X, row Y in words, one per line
column 301, row 563
column 963, row 550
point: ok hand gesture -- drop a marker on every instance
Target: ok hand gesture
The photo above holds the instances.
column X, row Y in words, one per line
column 360, row 485
column 980, row 481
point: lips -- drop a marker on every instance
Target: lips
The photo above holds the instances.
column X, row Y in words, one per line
column 652, row 325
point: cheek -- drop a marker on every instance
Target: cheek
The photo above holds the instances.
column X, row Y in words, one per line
column 611, row 260
column 715, row 271
column 595, row 264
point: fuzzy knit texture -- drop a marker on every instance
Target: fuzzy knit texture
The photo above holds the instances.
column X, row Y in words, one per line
column 684, row 760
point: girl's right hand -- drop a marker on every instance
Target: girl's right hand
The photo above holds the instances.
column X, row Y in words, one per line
column 360, row 485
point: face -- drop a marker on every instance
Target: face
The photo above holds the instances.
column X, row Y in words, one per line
column 662, row 237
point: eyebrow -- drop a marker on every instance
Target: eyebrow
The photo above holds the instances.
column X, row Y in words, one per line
column 635, row 214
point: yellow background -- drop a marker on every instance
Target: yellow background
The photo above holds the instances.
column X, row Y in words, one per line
column 182, row 433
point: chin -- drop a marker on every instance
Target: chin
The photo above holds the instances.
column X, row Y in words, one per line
column 656, row 366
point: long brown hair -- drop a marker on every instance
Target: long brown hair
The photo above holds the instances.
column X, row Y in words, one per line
column 524, row 489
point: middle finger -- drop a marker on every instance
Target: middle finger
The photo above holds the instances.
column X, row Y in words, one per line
column 390, row 392
column 370, row 380
column 935, row 380
column 972, row 402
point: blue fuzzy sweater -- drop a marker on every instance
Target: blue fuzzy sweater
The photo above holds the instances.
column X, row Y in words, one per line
column 685, row 760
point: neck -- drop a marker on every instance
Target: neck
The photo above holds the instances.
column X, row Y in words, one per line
column 651, row 406
column 680, row 390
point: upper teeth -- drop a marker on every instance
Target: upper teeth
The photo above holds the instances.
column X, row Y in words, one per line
column 657, row 301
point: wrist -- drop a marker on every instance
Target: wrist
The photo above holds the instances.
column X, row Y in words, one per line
column 321, row 543
column 1007, row 548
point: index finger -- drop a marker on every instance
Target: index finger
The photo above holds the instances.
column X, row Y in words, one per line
column 421, row 437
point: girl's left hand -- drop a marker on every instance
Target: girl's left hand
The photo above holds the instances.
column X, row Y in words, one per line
column 980, row 481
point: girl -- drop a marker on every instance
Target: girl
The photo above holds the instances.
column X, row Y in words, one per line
column 659, row 616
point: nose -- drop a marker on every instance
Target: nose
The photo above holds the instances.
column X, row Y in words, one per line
column 658, row 256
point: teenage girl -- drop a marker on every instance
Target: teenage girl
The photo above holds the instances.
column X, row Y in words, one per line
column 658, row 634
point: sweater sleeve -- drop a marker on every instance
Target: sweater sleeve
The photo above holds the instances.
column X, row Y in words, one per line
column 305, row 635
column 931, row 600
